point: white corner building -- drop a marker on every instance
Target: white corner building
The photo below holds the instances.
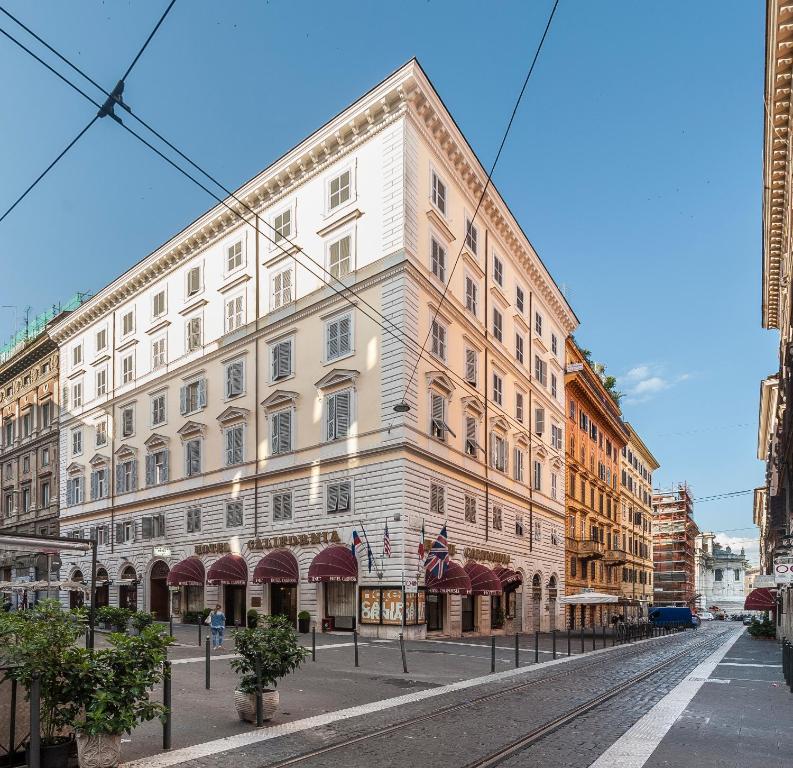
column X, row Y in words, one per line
column 228, row 403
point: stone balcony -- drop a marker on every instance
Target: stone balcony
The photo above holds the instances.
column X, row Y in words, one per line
column 586, row 549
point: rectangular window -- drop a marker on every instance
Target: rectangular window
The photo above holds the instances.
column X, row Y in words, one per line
column 539, row 421
column 498, row 325
column 127, row 323
column 233, row 514
column 538, row 323
column 519, row 406
column 499, row 453
column 554, row 484
column 471, row 442
column 498, row 270
column 339, row 257
column 193, row 397
column 235, row 378
column 554, row 385
column 339, row 190
column 471, row 236
column 471, row 295
column 193, row 520
column 127, row 369
column 234, row 256
column 498, row 389
column 282, row 506
column 281, row 360
column 471, row 366
column 437, row 498
column 27, row 417
column 77, row 401
column 538, row 532
column 157, row 468
column 438, row 193
column 77, row 442
column 74, row 490
column 537, row 476
column 282, row 225
column 152, row 526
column 470, row 509
column 438, row 260
column 338, row 337
column 192, row 453
column 519, row 530
column 44, row 495
column 518, row 464
column 282, row 288
column 9, row 433
column 101, row 340
column 45, row 457
column 438, row 339
column 193, row 281
column 193, row 334
column 498, row 517
column 540, row 370
column 281, row 432
column 438, row 426
column 101, row 434
column 519, row 299
column 127, row 421
column 26, row 464
column 337, row 417
column 235, row 313
column 77, row 355
column 519, row 348
column 338, row 497
column 159, row 355
column 556, row 437
column 554, row 344
column 46, row 414
column 235, row 445
column 158, row 304
column 126, row 476
column 158, row 414
column 101, row 382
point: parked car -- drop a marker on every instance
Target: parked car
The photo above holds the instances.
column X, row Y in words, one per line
column 747, row 620
column 671, row 616
column 705, row 615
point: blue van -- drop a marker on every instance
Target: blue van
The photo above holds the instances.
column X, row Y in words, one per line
column 671, row 617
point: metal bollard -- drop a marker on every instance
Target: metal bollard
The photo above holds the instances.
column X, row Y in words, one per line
column 517, row 650
column 604, row 635
column 12, row 730
column 613, row 635
column 402, row 649
column 206, row 654
column 582, row 637
column 553, row 642
column 166, row 700
column 568, row 641
column 492, row 654
column 355, row 643
column 35, row 722
column 313, row 643
column 594, row 638
column 170, row 626
column 259, row 712
column 199, row 630
column 536, row 647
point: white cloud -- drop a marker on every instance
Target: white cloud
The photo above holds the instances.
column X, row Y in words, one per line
column 751, row 545
column 645, row 380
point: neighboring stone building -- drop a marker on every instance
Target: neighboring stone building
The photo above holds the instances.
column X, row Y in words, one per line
column 674, row 534
column 636, row 500
column 597, row 542
column 230, row 400
column 720, row 575
column 29, row 449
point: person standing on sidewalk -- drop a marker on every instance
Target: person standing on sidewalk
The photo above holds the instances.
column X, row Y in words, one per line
column 217, row 622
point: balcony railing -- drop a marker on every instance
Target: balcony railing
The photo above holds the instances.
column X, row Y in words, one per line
column 616, row 556
column 586, row 548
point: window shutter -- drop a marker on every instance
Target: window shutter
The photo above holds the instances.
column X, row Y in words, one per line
column 94, row 485
column 146, row 527
column 165, row 465
column 133, row 486
column 470, row 366
column 539, row 420
column 70, row 492
column 342, row 414
column 238, row 446
column 330, row 417
column 436, row 408
column 119, row 478
column 234, row 379
column 345, row 340
column 286, row 286
column 183, row 400
column 333, row 340
column 285, row 432
column 202, row 393
column 333, row 498
column 286, row 506
column 344, row 497
column 229, row 446
column 119, row 532
column 149, row 470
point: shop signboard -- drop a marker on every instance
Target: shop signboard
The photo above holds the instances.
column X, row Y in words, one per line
column 411, row 586
column 783, row 570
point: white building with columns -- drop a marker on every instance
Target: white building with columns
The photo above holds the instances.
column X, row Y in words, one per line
column 229, row 402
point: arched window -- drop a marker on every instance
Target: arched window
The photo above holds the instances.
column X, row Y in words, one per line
column 536, row 587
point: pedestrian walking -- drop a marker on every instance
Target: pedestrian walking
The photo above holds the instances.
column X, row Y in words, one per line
column 217, row 623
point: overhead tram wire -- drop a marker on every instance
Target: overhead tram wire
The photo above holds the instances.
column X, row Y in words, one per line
column 106, row 109
column 405, row 337
column 404, row 405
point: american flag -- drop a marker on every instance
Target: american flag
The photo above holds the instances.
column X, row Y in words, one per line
column 438, row 559
column 386, row 542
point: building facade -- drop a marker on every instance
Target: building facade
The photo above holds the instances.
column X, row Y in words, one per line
column 596, row 540
column 241, row 401
column 720, row 575
column 674, row 534
column 637, row 465
column 29, row 450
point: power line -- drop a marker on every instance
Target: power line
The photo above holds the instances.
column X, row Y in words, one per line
column 728, row 495
column 406, row 338
column 482, row 196
column 49, row 167
column 148, row 40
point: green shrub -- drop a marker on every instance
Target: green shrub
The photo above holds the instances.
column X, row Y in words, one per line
column 141, row 619
column 195, row 617
column 304, row 615
column 116, row 618
column 764, row 628
column 252, row 618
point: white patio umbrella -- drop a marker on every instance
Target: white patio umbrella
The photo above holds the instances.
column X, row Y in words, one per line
column 589, row 598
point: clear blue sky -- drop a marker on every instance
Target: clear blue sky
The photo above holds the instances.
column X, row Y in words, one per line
column 634, row 166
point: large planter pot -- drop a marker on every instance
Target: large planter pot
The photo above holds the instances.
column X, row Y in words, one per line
column 52, row 755
column 100, row 751
column 303, row 625
column 246, row 705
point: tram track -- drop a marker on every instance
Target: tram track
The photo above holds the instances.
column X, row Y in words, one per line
column 513, row 747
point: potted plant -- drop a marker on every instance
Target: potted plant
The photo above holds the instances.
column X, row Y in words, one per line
column 35, row 644
column 111, row 690
column 764, row 629
column 113, row 617
column 272, row 647
column 303, row 622
column 141, row 619
column 252, row 618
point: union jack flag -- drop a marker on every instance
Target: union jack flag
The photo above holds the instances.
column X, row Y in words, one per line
column 438, row 559
column 386, row 542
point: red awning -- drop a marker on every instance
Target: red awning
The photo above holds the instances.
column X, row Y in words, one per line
column 509, row 579
column 187, row 573
column 483, row 580
column 336, row 563
column 454, row 582
column 230, row 569
column 277, row 567
column 761, row 599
